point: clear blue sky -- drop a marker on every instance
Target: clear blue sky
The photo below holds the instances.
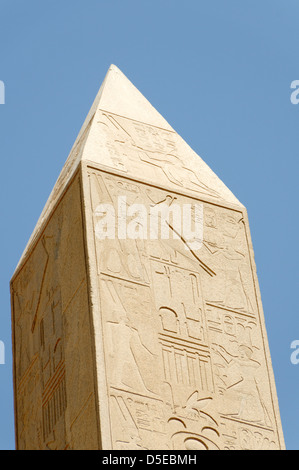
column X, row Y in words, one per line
column 220, row 73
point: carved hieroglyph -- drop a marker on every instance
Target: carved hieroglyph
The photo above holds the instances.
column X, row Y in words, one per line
column 138, row 343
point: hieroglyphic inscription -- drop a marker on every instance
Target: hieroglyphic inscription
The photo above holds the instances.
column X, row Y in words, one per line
column 183, row 346
column 55, row 392
column 137, row 148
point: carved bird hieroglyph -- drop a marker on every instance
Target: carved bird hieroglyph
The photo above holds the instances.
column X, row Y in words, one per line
column 195, row 405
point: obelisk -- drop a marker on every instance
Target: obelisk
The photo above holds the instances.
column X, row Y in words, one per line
column 136, row 312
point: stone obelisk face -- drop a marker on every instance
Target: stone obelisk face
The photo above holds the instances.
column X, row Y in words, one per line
column 137, row 318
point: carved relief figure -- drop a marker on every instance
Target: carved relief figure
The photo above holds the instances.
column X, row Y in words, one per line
column 224, row 241
column 242, row 395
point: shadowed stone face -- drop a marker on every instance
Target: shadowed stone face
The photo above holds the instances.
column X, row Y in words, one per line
column 127, row 335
